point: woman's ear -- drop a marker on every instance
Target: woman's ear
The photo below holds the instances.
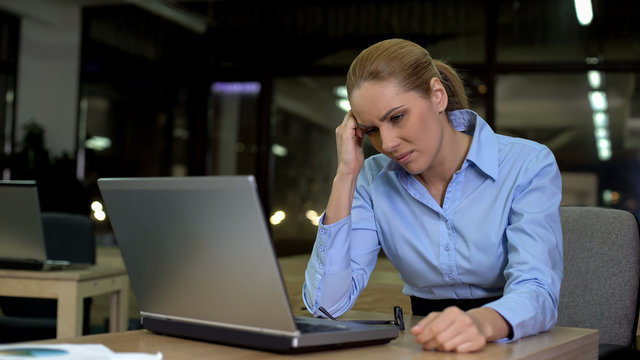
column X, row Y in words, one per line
column 439, row 95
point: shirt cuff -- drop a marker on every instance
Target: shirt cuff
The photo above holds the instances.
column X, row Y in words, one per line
column 333, row 248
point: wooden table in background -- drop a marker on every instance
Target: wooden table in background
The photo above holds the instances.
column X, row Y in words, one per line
column 70, row 287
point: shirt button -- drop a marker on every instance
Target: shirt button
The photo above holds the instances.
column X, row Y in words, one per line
column 321, row 266
column 446, row 247
column 323, row 232
column 321, row 248
column 450, row 277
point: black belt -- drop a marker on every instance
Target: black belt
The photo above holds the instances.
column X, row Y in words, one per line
column 423, row 307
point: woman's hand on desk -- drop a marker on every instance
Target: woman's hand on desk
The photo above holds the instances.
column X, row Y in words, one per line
column 459, row 331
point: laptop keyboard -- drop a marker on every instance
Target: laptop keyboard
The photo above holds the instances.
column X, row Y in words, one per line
column 21, row 264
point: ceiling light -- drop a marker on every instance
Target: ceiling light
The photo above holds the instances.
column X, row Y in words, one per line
column 598, row 100
column 100, row 215
column 313, row 216
column 277, row 217
column 98, row 211
column 601, row 130
column 243, row 87
column 591, row 60
column 340, row 91
column 600, row 119
column 96, row 205
column 601, row 133
column 584, row 11
column 604, row 144
column 604, row 154
column 279, row 150
column 595, row 79
column 97, row 143
column 343, row 104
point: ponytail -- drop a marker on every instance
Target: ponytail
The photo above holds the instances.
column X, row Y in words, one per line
column 453, row 84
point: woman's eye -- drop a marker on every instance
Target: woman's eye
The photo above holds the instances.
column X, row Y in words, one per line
column 370, row 130
column 396, row 118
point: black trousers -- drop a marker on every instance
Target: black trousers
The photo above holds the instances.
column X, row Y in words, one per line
column 423, row 307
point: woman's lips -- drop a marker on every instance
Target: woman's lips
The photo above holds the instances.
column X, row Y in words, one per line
column 404, row 158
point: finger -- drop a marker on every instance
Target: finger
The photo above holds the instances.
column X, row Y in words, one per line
column 462, row 327
column 437, row 330
column 417, row 328
column 349, row 132
column 432, row 327
column 461, row 332
column 348, row 118
column 462, row 335
column 445, row 339
column 470, row 346
column 348, row 125
column 459, row 341
column 359, row 135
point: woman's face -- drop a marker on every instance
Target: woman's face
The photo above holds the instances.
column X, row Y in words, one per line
column 405, row 126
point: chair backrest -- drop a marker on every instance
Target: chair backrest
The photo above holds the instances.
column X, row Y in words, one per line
column 69, row 237
column 601, row 272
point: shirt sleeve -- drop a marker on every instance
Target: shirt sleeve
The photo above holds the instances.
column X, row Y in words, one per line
column 534, row 245
column 342, row 259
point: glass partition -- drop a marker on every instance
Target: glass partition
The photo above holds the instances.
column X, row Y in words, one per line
column 549, row 31
column 590, row 120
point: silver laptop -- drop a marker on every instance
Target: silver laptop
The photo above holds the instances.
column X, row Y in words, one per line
column 202, row 266
column 22, row 243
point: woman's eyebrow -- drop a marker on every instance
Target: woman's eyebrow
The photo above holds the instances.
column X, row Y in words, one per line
column 389, row 112
column 382, row 118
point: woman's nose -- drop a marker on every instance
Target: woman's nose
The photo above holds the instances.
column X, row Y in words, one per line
column 389, row 140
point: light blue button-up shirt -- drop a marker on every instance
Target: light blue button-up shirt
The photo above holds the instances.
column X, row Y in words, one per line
column 497, row 233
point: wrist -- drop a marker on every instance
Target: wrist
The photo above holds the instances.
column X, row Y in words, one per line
column 490, row 323
column 341, row 197
column 345, row 176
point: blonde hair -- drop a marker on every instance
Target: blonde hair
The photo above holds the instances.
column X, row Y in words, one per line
column 411, row 66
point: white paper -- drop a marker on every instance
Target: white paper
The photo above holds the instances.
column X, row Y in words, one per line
column 70, row 352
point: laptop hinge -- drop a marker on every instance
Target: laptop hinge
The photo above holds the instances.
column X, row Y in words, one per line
column 294, row 334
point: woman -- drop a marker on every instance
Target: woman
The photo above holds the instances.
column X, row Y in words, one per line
column 469, row 218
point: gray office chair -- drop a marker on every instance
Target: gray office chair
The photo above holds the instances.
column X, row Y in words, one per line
column 601, row 276
column 67, row 237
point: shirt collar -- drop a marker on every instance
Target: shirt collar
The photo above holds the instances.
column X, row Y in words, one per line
column 484, row 146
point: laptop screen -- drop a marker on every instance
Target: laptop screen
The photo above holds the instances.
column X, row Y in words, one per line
column 198, row 248
column 21, row 234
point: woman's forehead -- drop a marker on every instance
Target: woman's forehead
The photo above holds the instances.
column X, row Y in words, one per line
column 373, row 100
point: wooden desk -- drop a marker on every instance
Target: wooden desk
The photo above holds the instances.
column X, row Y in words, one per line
column 559, row 343
column 70, row 287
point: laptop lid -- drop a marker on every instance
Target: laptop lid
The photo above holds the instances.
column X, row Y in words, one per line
column 201, row 264
column 22, row 241
column 21, row 235
column 198, row 248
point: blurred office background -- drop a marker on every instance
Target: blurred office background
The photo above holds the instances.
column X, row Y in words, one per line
column 103, row 88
